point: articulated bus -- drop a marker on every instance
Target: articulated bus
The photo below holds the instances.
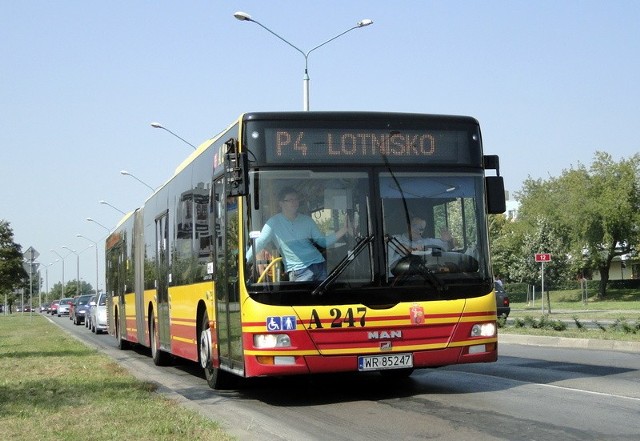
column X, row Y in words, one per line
column 184, row 281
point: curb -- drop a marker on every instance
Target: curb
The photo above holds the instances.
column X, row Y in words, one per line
column 574, row 343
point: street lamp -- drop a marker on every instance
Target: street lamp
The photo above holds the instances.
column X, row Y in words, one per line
column 62, row 259
column 157, row 125
column 46, row 278
column 115, row 208
column 77, row 268
column 243, row 16
column 126, row 173
column 96, row 222
column 96, row 245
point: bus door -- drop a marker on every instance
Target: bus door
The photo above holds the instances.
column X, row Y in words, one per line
column 138, row 282
column 116, row 288
column 228, row 324
column 162, row 288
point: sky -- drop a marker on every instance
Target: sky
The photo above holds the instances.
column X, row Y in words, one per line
column 551, row 82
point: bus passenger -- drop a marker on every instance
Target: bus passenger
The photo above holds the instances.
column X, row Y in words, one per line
column 404, row 244
column 295, row 234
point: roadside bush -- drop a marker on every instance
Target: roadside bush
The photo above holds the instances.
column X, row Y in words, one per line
column 623, row 325
column 519, row 323
column 558, row 325
column 543, row 323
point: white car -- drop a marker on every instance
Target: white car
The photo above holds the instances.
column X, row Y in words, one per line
column 63, row 307
column 98, row 312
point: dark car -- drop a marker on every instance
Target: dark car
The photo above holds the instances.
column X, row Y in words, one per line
column 502, row 301
column 80, row 309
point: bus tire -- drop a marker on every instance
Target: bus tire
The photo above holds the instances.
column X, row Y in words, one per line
column 216, row 377
column 160, row 358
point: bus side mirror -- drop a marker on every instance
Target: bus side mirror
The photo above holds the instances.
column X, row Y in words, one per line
column 237, row 170
column 496, row 203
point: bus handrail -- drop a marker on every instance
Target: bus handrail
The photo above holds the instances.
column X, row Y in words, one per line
column 269, row 267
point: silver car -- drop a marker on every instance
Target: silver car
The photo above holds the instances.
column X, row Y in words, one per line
column 63, row 307
column 98, row 313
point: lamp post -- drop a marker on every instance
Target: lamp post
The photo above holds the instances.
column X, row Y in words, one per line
column 77, row 268
column 96, row 222
column 96, row 245
column 243, row 16
column 46, row 279
column 62, row 259
column 157, row 125
column 115, row 208
column 126, row 173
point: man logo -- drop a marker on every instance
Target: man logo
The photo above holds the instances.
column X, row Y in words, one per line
column 379, row 335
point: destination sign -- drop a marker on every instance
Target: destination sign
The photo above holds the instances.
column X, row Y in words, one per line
column 317, row 145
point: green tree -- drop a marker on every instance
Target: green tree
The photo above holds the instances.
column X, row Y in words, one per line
column 595, row 211
column 12, row 273
column 608, row 218
column 70, row 289
column 544, row 238
column 506, row 237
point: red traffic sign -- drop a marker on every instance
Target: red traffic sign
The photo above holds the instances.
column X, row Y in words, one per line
column 543, row 257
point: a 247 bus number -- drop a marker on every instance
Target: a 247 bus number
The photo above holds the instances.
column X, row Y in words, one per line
column 341, row 318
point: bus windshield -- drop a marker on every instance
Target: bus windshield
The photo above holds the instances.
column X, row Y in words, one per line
column 429, row 241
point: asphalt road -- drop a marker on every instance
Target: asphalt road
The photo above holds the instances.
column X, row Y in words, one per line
column 533, row 392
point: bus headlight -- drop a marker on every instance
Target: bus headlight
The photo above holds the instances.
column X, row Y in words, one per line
column 267, row 341
column 483, row 330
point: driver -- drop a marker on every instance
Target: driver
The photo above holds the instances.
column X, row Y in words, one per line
column 296, row 235
column 404, row 244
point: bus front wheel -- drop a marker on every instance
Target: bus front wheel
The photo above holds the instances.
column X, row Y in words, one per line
column 216, row 377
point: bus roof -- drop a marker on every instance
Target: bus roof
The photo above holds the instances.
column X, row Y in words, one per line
column 355, row 116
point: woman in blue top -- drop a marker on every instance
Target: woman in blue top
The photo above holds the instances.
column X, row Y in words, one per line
column 295, row 235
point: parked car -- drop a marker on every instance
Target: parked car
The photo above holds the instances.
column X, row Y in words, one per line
column 53, row 309
column 63, row 306
column 99, row 315
column 80, row 308
column 87, row 316
column 502, row 301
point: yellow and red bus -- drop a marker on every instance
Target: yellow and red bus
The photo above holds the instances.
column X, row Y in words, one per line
column 182, row 279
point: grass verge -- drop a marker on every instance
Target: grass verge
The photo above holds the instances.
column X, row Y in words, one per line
column 53, row 387
column 616, row 318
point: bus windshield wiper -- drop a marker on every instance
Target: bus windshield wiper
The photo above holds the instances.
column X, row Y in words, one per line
column 342, row 265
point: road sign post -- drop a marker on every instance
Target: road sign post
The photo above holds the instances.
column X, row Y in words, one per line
column 30, row 255
column 542, row 258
